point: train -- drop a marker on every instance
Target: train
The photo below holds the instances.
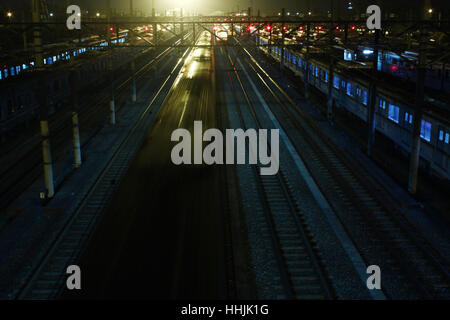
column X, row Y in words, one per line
column 394, row 111
column 53, row 54
column 18, row 103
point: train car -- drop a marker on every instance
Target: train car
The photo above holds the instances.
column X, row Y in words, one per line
column 222, row 36
column 394, row 113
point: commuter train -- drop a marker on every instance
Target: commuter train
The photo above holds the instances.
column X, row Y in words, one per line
column 394, row 112
column 18, row 104
column 437, row 77
column 54, row 54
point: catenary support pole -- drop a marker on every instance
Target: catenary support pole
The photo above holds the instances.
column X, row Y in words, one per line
column 45, row 136
column 112, row 104
column 371, row 115
column 415, row 145
column 74, row 84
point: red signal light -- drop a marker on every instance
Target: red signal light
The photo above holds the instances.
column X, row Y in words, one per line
column 284, row 28
column 353, row 27
column 319, row 27
column 301, row 28
column 337, row 27
column 111, row 29
column 269, row 28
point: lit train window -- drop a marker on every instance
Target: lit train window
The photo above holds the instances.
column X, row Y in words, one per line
column 393, row 113
column 336, row 82
column 408, row 118
column 425, row 131
column 365, row 97
column 441, row 135
column 349, row 89
column 382, row 104
column 447, row 138
column 12, row 71
column 326, row 77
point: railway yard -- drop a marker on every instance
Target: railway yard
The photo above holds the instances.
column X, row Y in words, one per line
column 87, row 175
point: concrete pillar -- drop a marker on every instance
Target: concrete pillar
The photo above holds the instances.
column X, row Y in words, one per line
column 330, row 102
column 45, row 134
column 133, row 80
column 37, row 34
column 75, row 123
column 112, row 111
column 415, row 145
column 47, row 159
column 76, row 140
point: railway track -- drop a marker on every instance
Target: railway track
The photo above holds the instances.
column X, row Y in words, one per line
column 365, row 208
column 27, row 169
column 301, row 273
column 47, row 280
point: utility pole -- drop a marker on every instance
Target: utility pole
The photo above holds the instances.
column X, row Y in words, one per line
column 24, row 33
column 112, row 105
column 133, row 74
column 417, row 123
column 330, row 102
column 155, row 26
column 74, row 84
column 283, row 32
column 42, row 99
column 45, row 134
column 181, row 28
column 371, row 116
column 415, row 144
column 307, row 73
column 131, row 8
column 37, row 34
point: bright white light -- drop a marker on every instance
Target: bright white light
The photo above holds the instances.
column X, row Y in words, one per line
column 367, row 51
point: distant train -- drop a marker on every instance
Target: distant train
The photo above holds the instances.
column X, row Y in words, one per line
column 222, row 36
column 18, row 103
column 437, row 76
column 394, row 114
column 54, row 54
